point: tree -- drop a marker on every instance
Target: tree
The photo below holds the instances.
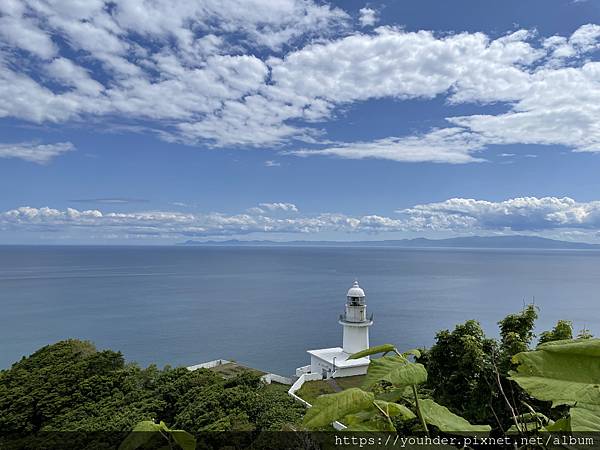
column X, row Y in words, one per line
column 516, row 334
column 562, row 330
column 468, row 371
column 461, row 371
column 71, row 386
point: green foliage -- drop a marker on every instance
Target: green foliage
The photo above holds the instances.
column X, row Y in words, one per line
column 364, row 411
column 561, row 331
column 331, row 407
column 564, row 373
column 70, row 386
column 147, row 430
column 461, row 371
column 468, row 371
column 584, row 333
column 385, row 348
column 396, row 370
column 516, row 333
column 446, row 421
column 531, row 422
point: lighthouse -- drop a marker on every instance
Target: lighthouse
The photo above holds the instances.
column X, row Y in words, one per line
column 355, row 322
column 334, row 362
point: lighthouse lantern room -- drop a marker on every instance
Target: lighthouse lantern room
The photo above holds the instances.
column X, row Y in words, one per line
column 355, row 322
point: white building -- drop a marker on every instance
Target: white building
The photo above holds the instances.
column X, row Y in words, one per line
column 333, row 362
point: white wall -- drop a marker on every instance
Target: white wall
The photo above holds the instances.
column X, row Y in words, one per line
column 209, row 364
column 273, row 377
column 350, row 371
column 356, row 339
column 302, row 370
column 317, row 365
column 298, row 384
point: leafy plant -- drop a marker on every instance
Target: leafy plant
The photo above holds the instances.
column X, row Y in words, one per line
column 389, row 395
column 70, row 386
column 148, row 429
column 561, row 331
column 564, row 373
column 460, row 366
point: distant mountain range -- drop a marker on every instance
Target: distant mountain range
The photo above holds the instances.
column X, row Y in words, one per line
column 518, row 241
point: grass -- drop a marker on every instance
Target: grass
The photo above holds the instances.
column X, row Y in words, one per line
column 232, row 369
column 282, row 388
column 312, row 389
column 350, row 382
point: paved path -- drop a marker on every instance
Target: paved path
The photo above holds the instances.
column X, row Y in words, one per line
column 336, row 387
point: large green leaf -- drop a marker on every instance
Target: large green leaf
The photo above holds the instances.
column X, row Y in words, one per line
column 367, row 420
column 414, row 352
column 361, row 416
column 184, row 439
column 385, row 348
column 140, row 434
column 531, row 422
column 146, row 429
column 565, row 373
column 376, row 424
column 394, row 395
column 395, row 409
column 585, row 417
column 562, row 424
column 446, row 421
column 395, row 370
column 332, row 407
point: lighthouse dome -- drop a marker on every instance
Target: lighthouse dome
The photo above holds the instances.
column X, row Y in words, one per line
column 355, row 291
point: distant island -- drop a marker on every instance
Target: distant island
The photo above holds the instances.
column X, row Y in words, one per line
column 492, row 242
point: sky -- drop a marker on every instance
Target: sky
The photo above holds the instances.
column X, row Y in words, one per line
column 157, row 122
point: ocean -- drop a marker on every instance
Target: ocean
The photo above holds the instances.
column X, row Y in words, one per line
column 265, row 306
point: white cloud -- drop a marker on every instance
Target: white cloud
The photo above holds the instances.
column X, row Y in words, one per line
column 367, row 17
column 272, row 163
column 404, row 65
column 264, row 22
column 583, row 40
column 448, row 145
column 24, row 32
column 517, row 214
column 561, row 106
column 35, row 152
column 462, row 216
column 189, row 71
column 67, row 72
column 288, row 207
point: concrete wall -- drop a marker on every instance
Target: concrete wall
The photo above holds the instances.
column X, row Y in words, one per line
column 302, row 370
column 317, row 365
column 209, row 364
column 349, row 371
column 273, row 377
column 298, row 384
column 267, row 378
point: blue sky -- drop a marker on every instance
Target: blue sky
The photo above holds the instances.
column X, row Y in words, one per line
column 158, row 122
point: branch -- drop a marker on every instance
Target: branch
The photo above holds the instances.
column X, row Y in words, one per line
column 418, row 406
column 512, row 410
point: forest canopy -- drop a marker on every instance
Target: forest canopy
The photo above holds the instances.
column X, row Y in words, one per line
column 71, row 386
column 465, row 381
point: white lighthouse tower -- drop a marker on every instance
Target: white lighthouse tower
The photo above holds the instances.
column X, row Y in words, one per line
column 334, row 362
column 355, row 322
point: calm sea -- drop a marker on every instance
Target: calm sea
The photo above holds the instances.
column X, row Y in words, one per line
column 266, row 306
